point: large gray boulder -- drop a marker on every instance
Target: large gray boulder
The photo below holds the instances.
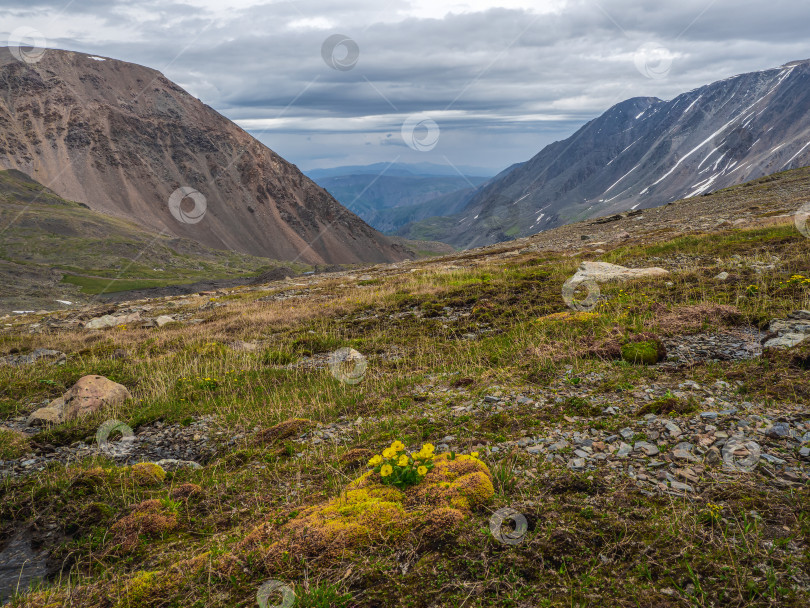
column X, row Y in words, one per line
column 602, row 272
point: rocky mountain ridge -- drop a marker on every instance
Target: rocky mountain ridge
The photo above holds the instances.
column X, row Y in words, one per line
column 645, row 152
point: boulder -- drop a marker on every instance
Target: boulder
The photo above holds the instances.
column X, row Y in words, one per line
column 89, row 395
column 790, row 331
column 112, row 321
column 602, row 272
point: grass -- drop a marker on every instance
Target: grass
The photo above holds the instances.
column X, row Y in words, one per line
column 593, row 539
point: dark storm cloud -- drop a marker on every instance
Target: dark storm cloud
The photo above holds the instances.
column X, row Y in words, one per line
column 501, row 83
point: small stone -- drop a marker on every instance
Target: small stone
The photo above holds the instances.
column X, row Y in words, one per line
column 626, row 432
column 722, row 276
column 624, row 450
column 713, row 456
column 771, row 459
column 673, row 429
column 708, row 415
column 805, row 452
column 680, row 454
column 780, row 430
column 683, row 487
column 576, row 464
column 648, row 448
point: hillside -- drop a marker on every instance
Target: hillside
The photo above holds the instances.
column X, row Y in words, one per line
column 53, row 249
column 645, row 451
column 645, row 152
column 122, row 138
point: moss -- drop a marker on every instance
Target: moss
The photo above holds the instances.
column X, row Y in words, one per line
column 140, row 587
column 667, row 405
column 149, row 518
column 150, row 588
column 186, row 491
column 441, row 523
column 647, row 352
column 147, row 474
column 13, row 444
column 369, row 512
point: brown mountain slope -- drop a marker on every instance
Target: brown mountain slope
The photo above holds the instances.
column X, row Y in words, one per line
column 122, row 138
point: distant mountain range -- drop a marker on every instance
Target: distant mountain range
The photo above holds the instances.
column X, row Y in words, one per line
column 122, row 139
column 397, row 169
column 390, row 195
column 644, row 152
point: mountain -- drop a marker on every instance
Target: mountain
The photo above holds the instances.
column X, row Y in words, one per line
column 645, row 152
column 388, row 196
column 122, row 139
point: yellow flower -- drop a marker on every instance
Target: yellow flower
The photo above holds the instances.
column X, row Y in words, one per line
column 398, row 446
column 386, row 470
column 375, row 461
column 428, row 448
column 422, row 470
column 474, row 454
column 389, row 453
column 403, row 461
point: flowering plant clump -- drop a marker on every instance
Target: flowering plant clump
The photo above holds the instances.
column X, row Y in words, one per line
column 400, row 469
column 798, row 279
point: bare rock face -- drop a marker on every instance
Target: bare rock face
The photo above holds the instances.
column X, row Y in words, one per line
column 122, row 138
column 602, row 272
column 89, row 395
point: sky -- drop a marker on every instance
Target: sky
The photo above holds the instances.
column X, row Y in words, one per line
column 476, row 83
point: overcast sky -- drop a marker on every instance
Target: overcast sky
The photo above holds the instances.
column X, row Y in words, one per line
column 499, row 80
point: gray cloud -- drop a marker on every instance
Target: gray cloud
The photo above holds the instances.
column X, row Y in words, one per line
column 500, row 83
